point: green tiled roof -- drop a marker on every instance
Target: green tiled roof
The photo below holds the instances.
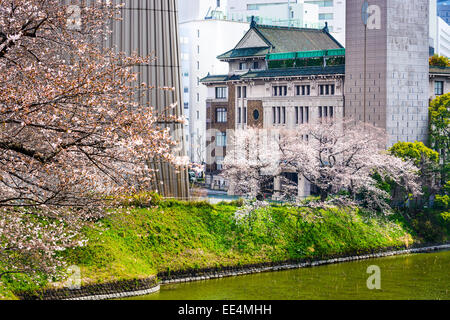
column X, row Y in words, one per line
column 219, row 78
column 439, row 70
column 245, row 52
column 292, row 72
column 276, row 73
column 284, row 40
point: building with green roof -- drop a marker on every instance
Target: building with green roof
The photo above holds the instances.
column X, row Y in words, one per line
column 279, row 78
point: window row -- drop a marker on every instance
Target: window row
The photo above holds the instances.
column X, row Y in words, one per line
column 242, row 116
column 301, row 115
column 279, row 91
column 250, row 65
column 221, row 93
column 279, row 115
column 304, row 90
column 326, row 89
column 326, row 112
column 241, row 92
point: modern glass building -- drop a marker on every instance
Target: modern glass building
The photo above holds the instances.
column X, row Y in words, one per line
column 444, row 10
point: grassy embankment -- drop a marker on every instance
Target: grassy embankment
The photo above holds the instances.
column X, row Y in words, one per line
column 174, row 236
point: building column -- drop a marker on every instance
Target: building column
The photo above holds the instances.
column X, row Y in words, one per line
column 277, row 188
column 304, row 188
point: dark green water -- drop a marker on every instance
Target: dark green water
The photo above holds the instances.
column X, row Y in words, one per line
column 419, row 276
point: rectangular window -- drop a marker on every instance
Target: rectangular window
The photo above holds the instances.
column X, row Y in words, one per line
column 245, row 115
column 221, row 92
column 279, row 91
column 221, row 139
column 307, row 114
column 186, row 105
column 221, row 115
column 296, row 115
column 256, row 65
column 219, row 163
column 274, row 115
column 325, row 112
column 321, row 91
column 284, row 114
column 439, row 88
column 302, row 115
column 332, row 89
column 326, row 16
column 331, row 112
column 239, row 92
column 241, row 66
column 244, row 92
column 320, row 112
column 239, row 115
column 278, row 115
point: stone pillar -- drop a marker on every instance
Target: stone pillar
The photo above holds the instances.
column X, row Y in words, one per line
column 277, row 188
column 304, row 188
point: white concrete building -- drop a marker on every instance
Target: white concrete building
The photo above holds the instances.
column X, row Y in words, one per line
column 201, row 41
column 440, row 37
column 269, row 12
column 330, row 11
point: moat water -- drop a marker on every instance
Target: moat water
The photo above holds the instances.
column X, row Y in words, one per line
column 416, row 277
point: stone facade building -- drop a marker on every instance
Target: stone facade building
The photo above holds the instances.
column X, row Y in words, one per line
column 283, row 77
column 267, row 89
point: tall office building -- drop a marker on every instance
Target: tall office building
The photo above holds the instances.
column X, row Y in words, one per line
column 387, row 73
column 439, row 30
column 150, row 27
column 443, row 7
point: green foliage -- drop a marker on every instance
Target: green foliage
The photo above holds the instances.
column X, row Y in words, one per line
column 439, row 61
column 141, row 200
column 183, row 235
column 139, row 242
column 442, row 202
column 440, row 125
column 431, row 226
column 416, row 151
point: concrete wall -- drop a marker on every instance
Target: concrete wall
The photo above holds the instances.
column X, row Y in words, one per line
column 396, row 68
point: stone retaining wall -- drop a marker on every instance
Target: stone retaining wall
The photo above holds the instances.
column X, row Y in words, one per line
column 119, row 289
column 132, row 288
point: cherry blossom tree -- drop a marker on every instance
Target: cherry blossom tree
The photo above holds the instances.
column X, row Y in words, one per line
column 341, row 156
column 73, row 132
column 337, row 158
column 252, row 162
